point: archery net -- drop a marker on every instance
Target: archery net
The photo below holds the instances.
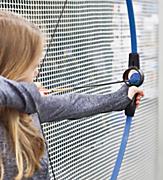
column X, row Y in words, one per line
column 91, row 45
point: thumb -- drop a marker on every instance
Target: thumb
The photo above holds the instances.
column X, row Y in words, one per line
column 135, row 90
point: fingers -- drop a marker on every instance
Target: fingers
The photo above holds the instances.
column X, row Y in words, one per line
column 138, row 99
column 138, row 91
column 140, row 94
column 43, row 91
column 133, row 90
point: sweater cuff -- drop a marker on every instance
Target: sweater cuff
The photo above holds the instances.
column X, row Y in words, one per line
column 121, row 99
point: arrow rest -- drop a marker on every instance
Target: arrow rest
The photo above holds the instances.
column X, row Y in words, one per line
column 133, row 76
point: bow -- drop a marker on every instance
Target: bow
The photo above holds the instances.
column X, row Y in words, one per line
column 136, row 79
column 132, row 76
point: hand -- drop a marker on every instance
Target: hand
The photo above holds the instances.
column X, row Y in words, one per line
column 135, row 90
column 43, row 91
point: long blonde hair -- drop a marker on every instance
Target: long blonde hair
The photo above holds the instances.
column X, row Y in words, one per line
column 21, row 43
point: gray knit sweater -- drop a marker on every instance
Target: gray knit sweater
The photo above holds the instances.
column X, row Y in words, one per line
column 52, row 108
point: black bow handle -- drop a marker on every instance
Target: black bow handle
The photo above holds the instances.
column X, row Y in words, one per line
column 133, row 76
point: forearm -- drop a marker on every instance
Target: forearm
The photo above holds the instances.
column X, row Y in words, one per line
column 74, row 106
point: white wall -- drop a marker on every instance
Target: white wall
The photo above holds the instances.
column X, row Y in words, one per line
column 160, row 155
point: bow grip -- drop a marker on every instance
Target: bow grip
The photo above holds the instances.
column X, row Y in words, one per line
column 130, row 109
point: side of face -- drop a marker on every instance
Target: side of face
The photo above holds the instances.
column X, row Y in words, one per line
column 31, row 72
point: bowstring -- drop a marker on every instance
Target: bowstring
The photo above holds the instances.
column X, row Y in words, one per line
column 47, row 50
column 51, row 39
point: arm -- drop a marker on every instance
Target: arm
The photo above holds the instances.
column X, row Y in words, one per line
column 25, row 98
column 74, row 106
column 21, row 96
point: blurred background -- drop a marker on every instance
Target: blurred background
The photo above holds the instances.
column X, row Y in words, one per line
column 160, row 154
column 91, row 45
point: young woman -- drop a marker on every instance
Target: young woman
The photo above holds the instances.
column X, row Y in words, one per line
column 22, row 151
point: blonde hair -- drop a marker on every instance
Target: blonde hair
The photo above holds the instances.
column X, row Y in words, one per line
column 21, row 43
